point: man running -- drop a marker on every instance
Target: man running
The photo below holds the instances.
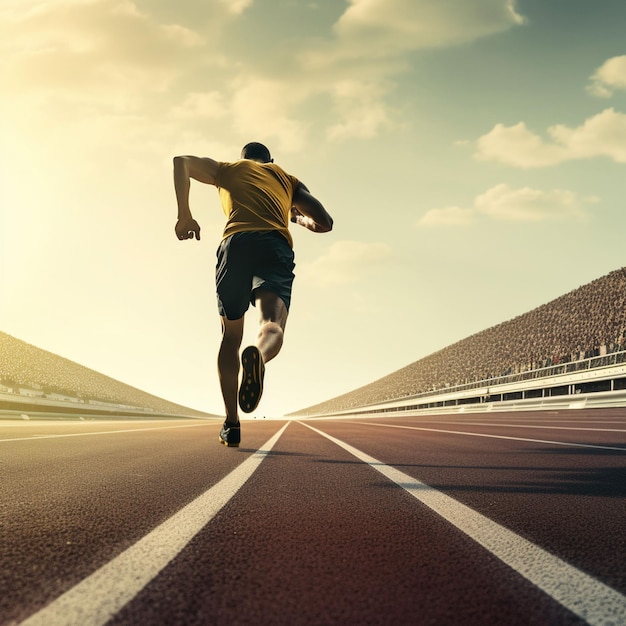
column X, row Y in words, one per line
column 255, row 261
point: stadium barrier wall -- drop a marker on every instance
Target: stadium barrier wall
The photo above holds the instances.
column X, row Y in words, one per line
column 15, row 406
column 39, row 400
column 602, row 386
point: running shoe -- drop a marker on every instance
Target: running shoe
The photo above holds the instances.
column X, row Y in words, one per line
column 230, row 435
column 252, row 380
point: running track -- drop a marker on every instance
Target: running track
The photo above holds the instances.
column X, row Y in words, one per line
column 509, row 518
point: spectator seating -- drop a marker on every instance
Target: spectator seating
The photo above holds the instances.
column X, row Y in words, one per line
column 589, row 321
column 23, row 366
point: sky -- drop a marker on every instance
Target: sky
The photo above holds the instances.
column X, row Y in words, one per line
column 471, row 152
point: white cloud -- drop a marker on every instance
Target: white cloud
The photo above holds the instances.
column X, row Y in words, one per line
column 93, row 49
column 530, row 205
column 79, row 75
column 346, row 262
column 517, row 146
column 197, row 106
column 501, row 202
column 609, row 77
column 448, row 216
column 601, row 135
column 184, row 36
column 262, row 108
column 361, row 109
column 371, row 43
column 371, row 29
column 237, row 7
column 77, row 58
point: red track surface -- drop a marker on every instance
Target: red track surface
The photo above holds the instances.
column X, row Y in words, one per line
column 317, row 535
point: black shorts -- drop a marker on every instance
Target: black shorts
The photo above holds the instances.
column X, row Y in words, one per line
column 249, row 261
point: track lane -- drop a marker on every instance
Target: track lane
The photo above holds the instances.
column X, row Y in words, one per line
column 570, row 500
column 96, row 599
column 320, row 535
column 497, row 432
column 572, row 588
column 69, row 505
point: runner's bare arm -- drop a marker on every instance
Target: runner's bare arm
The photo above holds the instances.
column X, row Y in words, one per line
column 186, row 168
column 309, row 212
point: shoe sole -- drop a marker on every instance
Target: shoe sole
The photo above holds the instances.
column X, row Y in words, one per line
column 251, row 387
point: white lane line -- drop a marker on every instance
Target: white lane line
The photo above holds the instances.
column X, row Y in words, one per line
column 502, row 425
column 461, row 432
column 578, row 592
column 100, row 596
column 103, row 432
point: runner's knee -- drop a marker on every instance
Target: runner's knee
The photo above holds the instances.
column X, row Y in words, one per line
column 232, row 333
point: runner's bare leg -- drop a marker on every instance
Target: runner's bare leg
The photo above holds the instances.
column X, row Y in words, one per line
column 228, row 365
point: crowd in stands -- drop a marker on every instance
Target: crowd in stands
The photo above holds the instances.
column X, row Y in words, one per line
column 589, row 321
column 25, row 367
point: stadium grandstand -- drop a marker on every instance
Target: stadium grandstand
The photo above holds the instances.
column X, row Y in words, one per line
column 35, row 379
column 579, row 327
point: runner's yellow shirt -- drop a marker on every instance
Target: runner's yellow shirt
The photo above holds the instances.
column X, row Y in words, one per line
column 255, row 197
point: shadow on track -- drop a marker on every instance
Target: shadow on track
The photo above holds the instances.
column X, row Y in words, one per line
column 603, row 481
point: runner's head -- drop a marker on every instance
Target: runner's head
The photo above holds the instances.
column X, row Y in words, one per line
column 256, row 152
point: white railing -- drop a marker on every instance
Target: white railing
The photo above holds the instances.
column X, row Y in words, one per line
column 568, row 385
